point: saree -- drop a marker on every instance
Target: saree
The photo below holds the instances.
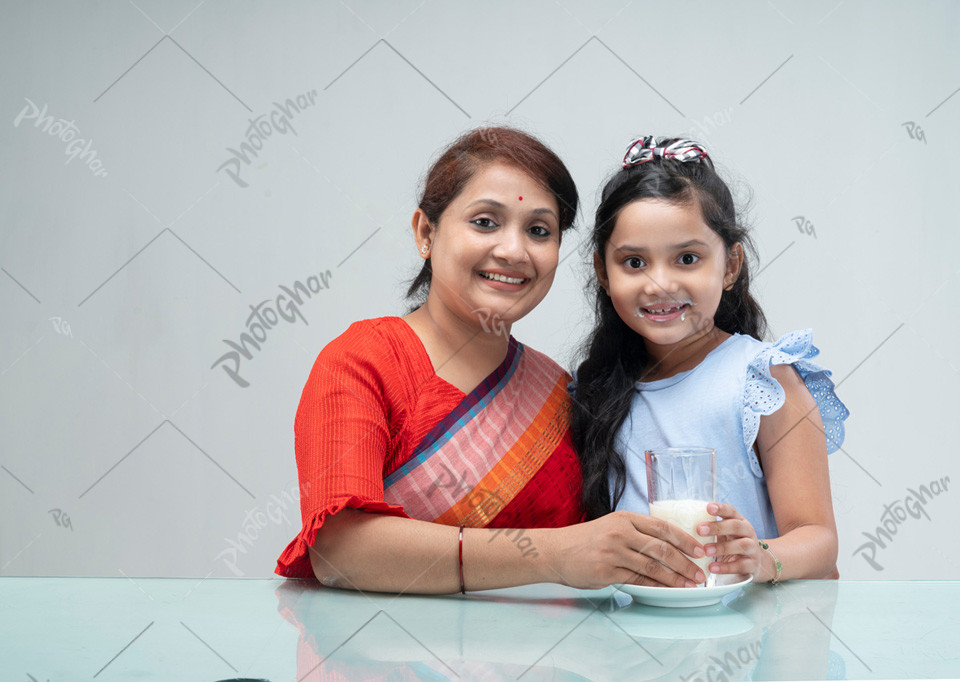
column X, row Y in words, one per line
column 378, row 431
column 477, row 459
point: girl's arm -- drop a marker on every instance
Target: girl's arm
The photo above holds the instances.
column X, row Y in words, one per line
column 374, row 552
column 793, row 454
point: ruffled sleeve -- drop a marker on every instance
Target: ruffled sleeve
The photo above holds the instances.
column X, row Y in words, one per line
column 764, row 395
column 343, row 437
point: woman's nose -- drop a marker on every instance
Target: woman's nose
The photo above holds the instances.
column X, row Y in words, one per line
column 511, row 246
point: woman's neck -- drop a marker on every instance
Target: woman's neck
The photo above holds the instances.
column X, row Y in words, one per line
column 462, row 354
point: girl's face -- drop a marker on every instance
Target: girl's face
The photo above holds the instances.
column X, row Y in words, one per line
column 665, row 269
column 496, row 247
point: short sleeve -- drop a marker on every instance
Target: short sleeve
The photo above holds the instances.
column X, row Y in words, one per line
column 343, row 437
column 764, row 395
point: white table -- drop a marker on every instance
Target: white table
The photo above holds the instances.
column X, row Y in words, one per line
column 131, row 629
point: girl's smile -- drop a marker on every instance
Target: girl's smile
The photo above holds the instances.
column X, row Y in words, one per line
column 664, row 311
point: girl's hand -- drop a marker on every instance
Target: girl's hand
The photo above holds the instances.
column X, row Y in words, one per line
column 737, row 549
column 622, row 547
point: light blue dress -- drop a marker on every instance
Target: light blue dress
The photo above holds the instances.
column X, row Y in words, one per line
column 718, row 404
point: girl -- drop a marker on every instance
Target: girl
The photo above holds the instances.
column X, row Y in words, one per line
column 675, row 360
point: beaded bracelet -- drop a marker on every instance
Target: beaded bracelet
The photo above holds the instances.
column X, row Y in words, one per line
column 463, row 590
column 776, row 562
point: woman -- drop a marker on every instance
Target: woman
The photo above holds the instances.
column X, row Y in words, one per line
column 420, row 439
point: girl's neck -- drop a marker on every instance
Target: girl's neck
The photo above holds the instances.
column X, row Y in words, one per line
column 670, row 359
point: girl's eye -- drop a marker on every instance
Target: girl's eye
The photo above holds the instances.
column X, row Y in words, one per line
column 634, row 263
column 689, row 258
column 485, row 223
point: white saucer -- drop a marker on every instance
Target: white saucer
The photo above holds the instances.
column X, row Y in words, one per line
column 686, row 597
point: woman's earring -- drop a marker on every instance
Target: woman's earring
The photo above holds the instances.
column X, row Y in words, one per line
column 424, row 249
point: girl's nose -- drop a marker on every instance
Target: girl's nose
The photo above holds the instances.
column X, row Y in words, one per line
column 659, row 282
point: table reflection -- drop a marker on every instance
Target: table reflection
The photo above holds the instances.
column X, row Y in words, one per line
column 763, row 632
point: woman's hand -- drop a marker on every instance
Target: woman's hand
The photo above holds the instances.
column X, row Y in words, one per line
column 621, row 547
column 737, row 549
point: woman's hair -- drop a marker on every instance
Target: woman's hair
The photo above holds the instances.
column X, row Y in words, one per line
column 467, row 155
column 615, row 356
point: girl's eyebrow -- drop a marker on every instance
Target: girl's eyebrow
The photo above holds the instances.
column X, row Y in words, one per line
column 628, row 248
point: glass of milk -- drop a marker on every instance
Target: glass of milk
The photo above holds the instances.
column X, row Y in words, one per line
column 681, row 482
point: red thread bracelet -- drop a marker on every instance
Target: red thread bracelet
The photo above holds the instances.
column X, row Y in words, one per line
column 463, row 590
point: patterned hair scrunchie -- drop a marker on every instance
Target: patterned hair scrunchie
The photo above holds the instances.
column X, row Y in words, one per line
column 646, row 149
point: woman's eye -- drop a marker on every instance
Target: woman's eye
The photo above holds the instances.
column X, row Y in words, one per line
column 540, row 231
column 485, row 223
column 689, row 258
column 634, row 263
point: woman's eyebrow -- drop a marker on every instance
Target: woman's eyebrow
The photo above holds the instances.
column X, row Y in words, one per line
column 545, row 211
column 493, row 203
column 487, row 202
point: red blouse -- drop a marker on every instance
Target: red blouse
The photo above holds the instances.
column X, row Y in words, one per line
column 371, row 397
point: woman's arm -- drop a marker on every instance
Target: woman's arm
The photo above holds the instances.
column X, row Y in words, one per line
column 793, row 453
column 374, row 552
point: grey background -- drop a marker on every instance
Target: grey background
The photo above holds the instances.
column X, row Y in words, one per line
column 125, row 451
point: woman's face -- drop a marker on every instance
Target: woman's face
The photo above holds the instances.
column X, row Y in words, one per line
column 496, row 248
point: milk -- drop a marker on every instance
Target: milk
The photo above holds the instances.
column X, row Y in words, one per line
column 688, row 515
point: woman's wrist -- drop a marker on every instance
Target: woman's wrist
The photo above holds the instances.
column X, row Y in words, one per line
column 543, row 562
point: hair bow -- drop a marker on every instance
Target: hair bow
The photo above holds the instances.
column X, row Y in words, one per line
column 645, row 149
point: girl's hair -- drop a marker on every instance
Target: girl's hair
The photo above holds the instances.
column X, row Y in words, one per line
column 467, row 155
column 615, row 356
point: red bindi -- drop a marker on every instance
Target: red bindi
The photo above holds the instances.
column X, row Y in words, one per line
column 520, row 198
